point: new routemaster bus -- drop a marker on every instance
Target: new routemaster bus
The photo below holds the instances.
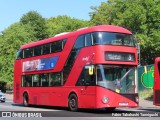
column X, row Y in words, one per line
column 156, row 88
column 93, row 67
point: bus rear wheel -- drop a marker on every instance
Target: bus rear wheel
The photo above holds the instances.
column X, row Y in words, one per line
column 25, row 100
column 73, row 103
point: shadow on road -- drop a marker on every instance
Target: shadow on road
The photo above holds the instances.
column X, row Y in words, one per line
column 151, row 109
column 96, row 111
column 53, row 111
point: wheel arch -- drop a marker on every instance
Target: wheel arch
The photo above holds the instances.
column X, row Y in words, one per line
column 25, row 92
column 75, row 107
column 73, row 92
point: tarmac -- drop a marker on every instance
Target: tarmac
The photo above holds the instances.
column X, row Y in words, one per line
column 147, row 104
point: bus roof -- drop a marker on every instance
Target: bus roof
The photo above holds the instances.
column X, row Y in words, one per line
column 104, row 28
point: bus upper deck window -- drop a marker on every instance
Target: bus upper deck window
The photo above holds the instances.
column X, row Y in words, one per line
column 28, row 52
column 19, row 54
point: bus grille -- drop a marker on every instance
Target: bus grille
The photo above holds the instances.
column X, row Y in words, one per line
column 157, row 96
column 131, row 96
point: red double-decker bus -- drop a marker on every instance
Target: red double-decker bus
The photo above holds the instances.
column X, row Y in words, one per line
column 93, row 67
column 156, row 88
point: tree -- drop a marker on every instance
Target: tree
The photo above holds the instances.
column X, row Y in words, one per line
column 139, row 16
column 26, row 31
column 64, row 24
column 11, row 39
column 37, row 22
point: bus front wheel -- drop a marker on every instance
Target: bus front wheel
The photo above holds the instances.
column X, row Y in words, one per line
column 25, row 100
column 73, row 102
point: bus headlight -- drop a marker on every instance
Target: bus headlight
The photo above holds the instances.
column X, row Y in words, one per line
column 104, row 99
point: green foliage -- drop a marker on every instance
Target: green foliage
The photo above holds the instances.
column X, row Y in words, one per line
column 11, row 40
column 32, row 27
column 139, row 16
column 2, row 86
column 37, row 22
column 146, row 94
column 64, row 24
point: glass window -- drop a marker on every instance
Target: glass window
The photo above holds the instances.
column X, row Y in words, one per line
column 108, row 38
column 72, row 57
column 37, row 51
column 159, row 68
column 88, row 40
column 87, row 79
column 46, row 49
column 66, row 72
column 63, row 43
column 44, row 80
column 69, row 64
column 56, row 46
column 120, row 79
column 55, row 79
column 42, row 50
column 27, row 81
column 19, row 54
column 95, row 37
column 128, row 40
column 36, row 80
column 79, row 42
column 28, row 52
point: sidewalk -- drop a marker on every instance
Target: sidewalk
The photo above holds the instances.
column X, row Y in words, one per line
column 146, row 104
column 9, row 97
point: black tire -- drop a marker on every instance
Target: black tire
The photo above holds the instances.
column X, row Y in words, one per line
column 73, row 103
column 110, row 109
column 25, row 100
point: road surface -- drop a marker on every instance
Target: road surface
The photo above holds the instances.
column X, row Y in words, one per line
column 18, row 111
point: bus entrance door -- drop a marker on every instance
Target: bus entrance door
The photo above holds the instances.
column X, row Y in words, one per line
column 87, row 96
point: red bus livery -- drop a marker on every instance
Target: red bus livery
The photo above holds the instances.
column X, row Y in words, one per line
column 94, row 67
column 156, row 88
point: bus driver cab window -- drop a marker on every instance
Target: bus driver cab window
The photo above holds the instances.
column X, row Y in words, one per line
column 87, row 77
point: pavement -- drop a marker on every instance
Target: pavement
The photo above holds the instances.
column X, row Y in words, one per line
column 9, row 97
column 142, row 103
column 146, row 104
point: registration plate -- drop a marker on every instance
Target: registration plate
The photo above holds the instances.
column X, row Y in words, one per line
column 123, row 104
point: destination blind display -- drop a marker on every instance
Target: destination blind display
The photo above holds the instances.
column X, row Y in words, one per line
column 119, row 56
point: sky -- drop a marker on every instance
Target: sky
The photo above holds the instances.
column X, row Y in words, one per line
column 12, row 10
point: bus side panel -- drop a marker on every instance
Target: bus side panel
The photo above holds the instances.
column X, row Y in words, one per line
column 86, row 96
column 59, row 96
column 156, row 89
column 17, row 81
column 50, row 96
